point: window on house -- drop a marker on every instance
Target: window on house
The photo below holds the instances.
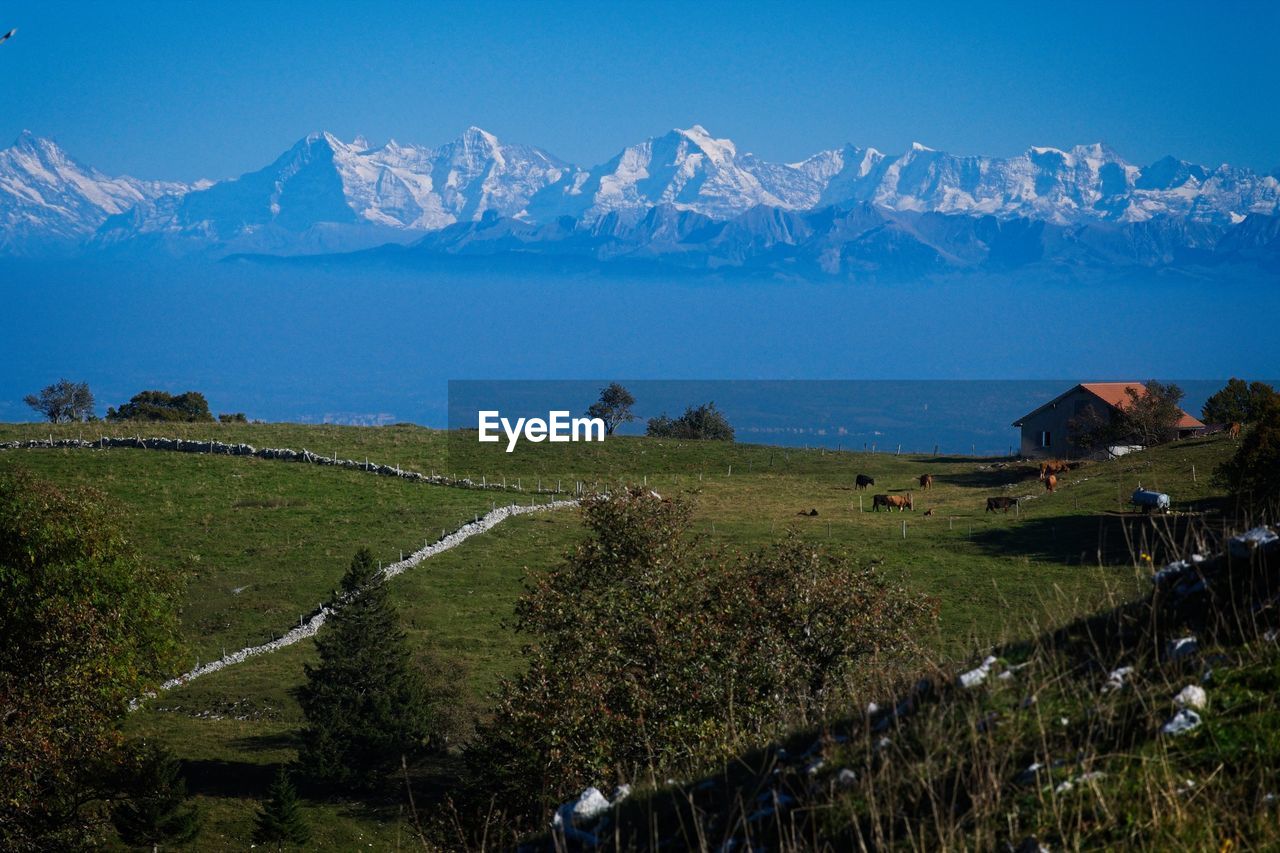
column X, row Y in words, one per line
column 1044, row 438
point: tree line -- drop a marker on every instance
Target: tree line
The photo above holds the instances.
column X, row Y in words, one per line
column 699, row 423
column 72, row 402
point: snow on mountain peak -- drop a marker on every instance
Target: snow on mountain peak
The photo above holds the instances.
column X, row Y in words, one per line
column 47, row 198
column 323, row 193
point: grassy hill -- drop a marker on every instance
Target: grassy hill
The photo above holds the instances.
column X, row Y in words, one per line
column 1150, row 726
column 264, row 541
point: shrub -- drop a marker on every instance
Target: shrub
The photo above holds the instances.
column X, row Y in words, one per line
column 1252, row 474
column 650, row 653
column 232, row 418
column 87, row 627
column 190, row 407
column 702, row 422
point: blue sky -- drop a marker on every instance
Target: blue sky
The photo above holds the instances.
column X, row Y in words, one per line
column 185, row 89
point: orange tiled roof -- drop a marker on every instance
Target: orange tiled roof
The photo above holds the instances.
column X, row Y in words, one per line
column 1116, row 394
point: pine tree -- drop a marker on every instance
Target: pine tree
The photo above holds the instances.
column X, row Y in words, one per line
column 365, row 702
column 156, row 811
column 280, row 821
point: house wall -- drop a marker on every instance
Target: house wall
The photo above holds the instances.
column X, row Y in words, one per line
column 1055, row 421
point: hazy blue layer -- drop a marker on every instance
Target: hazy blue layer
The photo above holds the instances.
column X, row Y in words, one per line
column 284, row 344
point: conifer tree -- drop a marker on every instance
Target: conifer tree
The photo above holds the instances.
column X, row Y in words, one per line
column 280, row 821
column 365, row 701
column 156, row 811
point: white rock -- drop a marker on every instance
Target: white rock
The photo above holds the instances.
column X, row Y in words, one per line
column 846, row 777
column 1191, row 696
column 1184, row 721
column 1182, row 647
column 590, row 805
column 1117, row 679
column 1249, row 541
column 974, row 677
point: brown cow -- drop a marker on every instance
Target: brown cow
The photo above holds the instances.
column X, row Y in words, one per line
column 1054, row 466
column 926, row 481
column 1234, row 431
column 994, row 504
column 1050, row 483
column 898, row 502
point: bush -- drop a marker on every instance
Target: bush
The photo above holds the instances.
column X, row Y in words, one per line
column 190, row 407
column 232, row 418
column 87, row 627
column 1239, row 402
column 1252, row 475
column 650, row 654
column 703, row 422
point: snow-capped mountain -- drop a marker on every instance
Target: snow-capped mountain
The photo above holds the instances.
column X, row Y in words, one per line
column 691, row 170
column 50, row 201
column 681, row 193
column 324, row 194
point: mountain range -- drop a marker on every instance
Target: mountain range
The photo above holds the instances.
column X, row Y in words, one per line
column 684, row 198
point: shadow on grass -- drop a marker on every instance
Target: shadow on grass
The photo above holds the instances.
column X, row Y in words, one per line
column 1109, row 538
column 218, row 778
column 266, row 743
column 991, row 478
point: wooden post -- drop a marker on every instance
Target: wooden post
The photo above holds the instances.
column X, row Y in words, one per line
column 1193, row 473
column 904, row 528
column 860, row 503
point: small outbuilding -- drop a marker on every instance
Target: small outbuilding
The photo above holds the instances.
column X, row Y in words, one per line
column 1047, row 431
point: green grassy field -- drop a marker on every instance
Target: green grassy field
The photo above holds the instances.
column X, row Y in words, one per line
column 263, row 541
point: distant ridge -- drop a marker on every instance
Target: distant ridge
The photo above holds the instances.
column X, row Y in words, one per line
column 685, row 197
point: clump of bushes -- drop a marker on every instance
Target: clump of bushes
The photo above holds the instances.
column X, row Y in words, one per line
column 232, row 418
column 190, row 407
column 702, row 422
column 1252, row 475
column 651, row 654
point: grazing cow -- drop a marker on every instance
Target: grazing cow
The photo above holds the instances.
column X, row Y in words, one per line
column 929, row 511
column 995, row 504
column 898, row 502
column 1050, row 483
column 1234, row 431
column 1054, row 466
column 926, row 481
column 862, row 481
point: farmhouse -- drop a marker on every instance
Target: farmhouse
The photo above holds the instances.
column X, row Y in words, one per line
column 1047, row 431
